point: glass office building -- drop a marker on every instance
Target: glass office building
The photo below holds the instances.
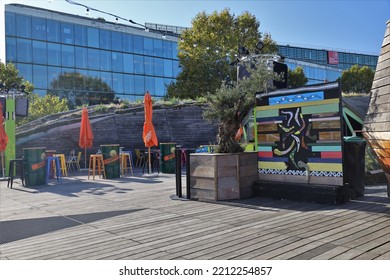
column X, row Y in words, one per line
column 66, row 54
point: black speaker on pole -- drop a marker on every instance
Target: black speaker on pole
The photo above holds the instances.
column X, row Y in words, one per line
column 21, row 106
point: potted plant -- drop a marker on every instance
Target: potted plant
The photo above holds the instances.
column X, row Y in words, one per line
column 229, row 173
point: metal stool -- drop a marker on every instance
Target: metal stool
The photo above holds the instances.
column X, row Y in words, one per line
column 64, row 170
column 96, row 161
column 13, row 164
column 126, row 158
column 57, row 168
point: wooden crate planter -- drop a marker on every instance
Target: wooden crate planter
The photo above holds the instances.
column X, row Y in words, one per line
column 222, row 176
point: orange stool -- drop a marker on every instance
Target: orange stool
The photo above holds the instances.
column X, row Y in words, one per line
column 125, row 158
column 96, row 162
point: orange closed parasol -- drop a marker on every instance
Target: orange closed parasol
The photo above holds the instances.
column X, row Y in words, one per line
column 149, row 135
column 86, row 135
column 3, row 138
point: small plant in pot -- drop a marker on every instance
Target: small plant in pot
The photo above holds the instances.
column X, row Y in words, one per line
column 230, row 104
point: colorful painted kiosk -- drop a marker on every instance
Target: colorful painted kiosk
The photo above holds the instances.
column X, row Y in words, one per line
column 301, row 147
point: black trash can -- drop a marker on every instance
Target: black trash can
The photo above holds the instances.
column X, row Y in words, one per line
column 167, row 158
column 354, row 161
column 111, row 160
column 34, row 166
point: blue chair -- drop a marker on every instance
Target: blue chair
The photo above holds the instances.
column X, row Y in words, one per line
column 56, row 161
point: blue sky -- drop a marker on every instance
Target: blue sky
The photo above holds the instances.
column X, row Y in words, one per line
column 351, row 25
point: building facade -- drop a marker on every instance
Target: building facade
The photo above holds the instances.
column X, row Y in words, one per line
column 64, row 54
column 90, row 60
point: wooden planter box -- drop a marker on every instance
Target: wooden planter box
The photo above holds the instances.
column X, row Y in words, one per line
column 222, row 176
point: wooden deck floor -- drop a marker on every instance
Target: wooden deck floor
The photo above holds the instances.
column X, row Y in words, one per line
column 139, row 217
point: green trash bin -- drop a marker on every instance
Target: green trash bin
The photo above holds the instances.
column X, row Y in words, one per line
column 167, row 157
column 34, row 166
column 111, row 160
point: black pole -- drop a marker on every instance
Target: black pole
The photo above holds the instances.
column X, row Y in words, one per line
column 188, row 174
column 178, row 170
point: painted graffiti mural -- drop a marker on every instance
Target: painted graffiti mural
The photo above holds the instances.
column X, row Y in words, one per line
column 299, row 135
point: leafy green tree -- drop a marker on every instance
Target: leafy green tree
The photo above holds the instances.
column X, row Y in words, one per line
column 296, row 78
column 79, row 90
column 207, row 48
column 44, row 106
column 357, row 79
column 9, row 76
column 231, row 103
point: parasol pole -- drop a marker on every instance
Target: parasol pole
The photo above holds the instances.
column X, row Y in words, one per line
column 85, row 157
column 150, row 165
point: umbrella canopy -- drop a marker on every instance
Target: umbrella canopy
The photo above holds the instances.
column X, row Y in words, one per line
column 3, row 135
column 86, row 135
column 149, row 135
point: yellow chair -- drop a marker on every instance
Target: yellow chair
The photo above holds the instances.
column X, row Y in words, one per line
column 64, row 169
column 140, row 158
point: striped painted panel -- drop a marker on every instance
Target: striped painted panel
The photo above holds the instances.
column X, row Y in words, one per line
column 329, row 135
column 324, row 160
column 267, row 127
column 264, row 148
column 271, row 165
column 313, row 166
column 268, row 137
column 323, row 108
column 263, row 154
column 331, row 155
column 327, row 148
column 273, row 159
column 296, row 98
column 325, row 124
column 333, row 101
column 266, row 113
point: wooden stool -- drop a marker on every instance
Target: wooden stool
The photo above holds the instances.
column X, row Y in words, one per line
column 96, row 161
column 64, row 170
column 56, row 162
column 126, row 158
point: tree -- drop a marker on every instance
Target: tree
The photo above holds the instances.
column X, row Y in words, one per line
column 9, row 76
column 230, row 104
column 79, row 90
column 357, row 79
column 44, row 106
column 206, row 49
column 296, row 78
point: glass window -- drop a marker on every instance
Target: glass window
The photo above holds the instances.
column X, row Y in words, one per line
column 159, row 66
column 10, row 49
column 168, row 68
column 93, row 37
column 148, row 46
column 53, row 31
column 149, row 84
column 80, row 35
column 128, row 84
column 105, row 39
column 39, row 52
column 106, row 78
column 23, row 26
column 139, row 84
column 117, row 62
column 67, row 33
column 174, row 50
column 39, row 28
column 54, row 54
column 40, row 76
column 176, row 68
column 69, row 82
column 94, row 59
column 82, row 76
column 138, row 44
column 128, row 63
column 81, row 55
column 53, row 75
column 24, row 50
column 10, row 26
column 127, row 43
column 167, row 49
column 139, row 64
column 67, row 56
column 105, row 60
column 158, row 47
column 25, row 71
column 117, row 82
column 116, row 41
column 94, row 75
column 149, row 67
column 159, row 86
